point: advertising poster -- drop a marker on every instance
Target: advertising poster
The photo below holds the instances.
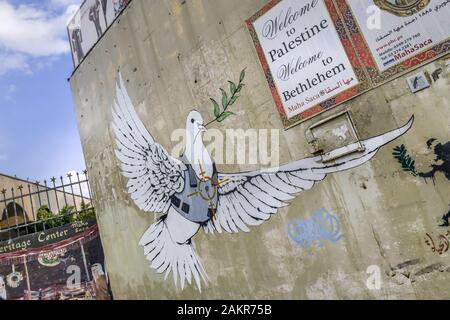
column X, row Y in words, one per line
column 317, row 54
column 64, row 263
column 90, row 23
column 309, row 65
column 406, row 33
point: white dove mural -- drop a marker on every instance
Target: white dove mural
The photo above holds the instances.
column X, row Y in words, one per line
column 191, row 193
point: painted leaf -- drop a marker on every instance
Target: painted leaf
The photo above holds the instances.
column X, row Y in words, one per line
column 406, row 161
column 233, row 100
column 224, row 99
column 232, row 87
column 216, row 108
column 224, row 115
column 242, row 76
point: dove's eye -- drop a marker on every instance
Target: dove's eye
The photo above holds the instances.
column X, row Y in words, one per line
column 192, row 120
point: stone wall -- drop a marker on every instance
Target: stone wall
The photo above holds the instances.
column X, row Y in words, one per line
column 174, row 55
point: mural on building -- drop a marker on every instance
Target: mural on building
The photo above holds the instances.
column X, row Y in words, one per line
column 191, row 193
column 89, row 23
column 441, row 165
column 221, row 114
column 322, row 226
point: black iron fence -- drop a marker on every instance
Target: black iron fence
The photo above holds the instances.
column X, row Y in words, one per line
column 28, row 207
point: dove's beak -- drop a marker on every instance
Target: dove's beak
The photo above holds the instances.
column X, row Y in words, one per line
column 202, row 128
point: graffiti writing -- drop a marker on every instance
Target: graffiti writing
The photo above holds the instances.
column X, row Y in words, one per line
column 373, row 282
column 320, row 227
column 441, row 245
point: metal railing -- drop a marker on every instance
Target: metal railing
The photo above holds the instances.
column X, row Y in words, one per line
column 28, row 207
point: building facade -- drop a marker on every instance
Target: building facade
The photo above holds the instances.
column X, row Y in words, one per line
column 377, row 231
column 20, row 201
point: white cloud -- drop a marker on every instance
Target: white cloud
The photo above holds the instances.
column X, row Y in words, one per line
column 13, row 61
column 29, row 31
column 9, row 92
column 65, row 3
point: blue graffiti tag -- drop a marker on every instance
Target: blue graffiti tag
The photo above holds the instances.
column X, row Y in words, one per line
column 320, row 227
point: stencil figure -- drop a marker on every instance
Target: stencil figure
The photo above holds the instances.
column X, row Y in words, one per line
column 442, row 152
column 192, row 194
column 445, row 222
column 94, row 16
column 118, row 6
column 77, row 39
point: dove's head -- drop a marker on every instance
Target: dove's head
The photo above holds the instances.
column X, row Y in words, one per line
column 195, row 124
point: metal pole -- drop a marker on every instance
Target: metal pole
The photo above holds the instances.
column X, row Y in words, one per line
column 32, row 208
column 6, row 211
column 84, row 260
column 48, row 198
column 64, row 190
column 56, row 193
column 71, row 188
column 26, row 272
column 15, row 211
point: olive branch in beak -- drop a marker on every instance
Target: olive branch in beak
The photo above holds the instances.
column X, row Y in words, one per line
column 219, row 114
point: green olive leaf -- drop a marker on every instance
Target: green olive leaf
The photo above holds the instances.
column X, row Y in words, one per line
column 242, row 75
column 239, row 88
column 233, row 100
column 224, row 99
column 224, row 115
column 216, row 108
column 232, row 87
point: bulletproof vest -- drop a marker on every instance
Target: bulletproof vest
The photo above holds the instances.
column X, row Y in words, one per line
column 198, row 200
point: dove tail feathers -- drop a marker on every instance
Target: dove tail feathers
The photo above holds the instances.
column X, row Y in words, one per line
column 165, row 255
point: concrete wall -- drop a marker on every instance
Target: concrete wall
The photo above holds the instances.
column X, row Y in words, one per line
column 174, row 55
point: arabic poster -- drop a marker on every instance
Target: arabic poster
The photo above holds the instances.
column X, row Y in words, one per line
column 309, row 62
column 410, row 33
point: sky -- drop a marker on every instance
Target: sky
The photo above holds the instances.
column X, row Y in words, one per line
column 39, row 137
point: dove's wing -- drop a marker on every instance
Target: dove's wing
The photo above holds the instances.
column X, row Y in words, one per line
column 153, row 175
column 250, row 198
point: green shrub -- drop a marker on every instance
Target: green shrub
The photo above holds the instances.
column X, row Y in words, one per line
column 65, row 216
column 86, row 212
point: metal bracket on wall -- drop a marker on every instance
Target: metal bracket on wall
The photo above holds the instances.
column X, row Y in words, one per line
column 334, row 137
